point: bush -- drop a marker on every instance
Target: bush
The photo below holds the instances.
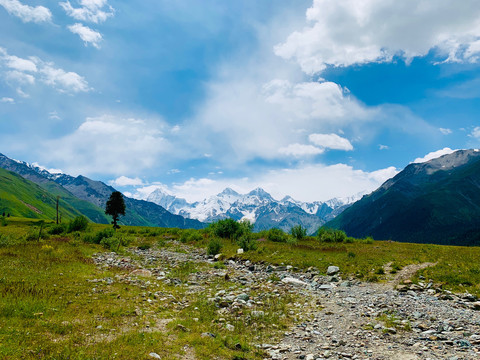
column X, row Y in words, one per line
column 276, row 235
column 3, row 221
column 190, row 236
column 57, row 229
column 80, row 223
column 230, row 229
column 102, row 234
column 214, row 246
column 111, row 243
column 247, row 243
column 298, row 232
column 330, row 235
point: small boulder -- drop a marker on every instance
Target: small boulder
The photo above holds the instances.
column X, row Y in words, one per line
column 240, row 251
column 293, row 281
column 332, row 270
column 141, row 272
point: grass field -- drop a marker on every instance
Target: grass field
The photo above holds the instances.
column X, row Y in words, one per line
column 55, row 303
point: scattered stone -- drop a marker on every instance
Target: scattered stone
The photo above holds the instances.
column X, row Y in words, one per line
column 141, row 272
column 332, row 270
column 154, row 355
column 294, row 281
column 240, row 251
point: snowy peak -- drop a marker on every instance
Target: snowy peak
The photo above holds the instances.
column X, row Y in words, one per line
column 260, row 193
column 228, row 192
column 257, row 206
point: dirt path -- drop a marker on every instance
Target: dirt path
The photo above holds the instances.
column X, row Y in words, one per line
column 351, row 319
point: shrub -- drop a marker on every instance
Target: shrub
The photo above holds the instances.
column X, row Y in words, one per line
column 298, row 232
column 247, row 243
column 230, row 229
column 276, row 235
column 102, row 234
column 144, row 246
column 80, row 223
column 57, row 229
column 3, row 221
column 330, row 235
column 111, row 243
column 190, row 236
column 214, row 246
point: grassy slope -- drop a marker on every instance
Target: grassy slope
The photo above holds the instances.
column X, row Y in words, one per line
column 16, row 192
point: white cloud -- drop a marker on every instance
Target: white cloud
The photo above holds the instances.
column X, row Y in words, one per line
column 299, row 150
column 331, row 141
column 434, row 155
column 306, row 183
column 89, row 36
column 19, row 77
column 95, row 11
column 21, row 71
column 16, row 63
column 26, row 13
column 383, row 147
column 63, row 81
column 244, row 105
column 476, row 132
column 126, row 181
column 349, row 32
column 445, row 131
column 7, row 100
column 109, row 145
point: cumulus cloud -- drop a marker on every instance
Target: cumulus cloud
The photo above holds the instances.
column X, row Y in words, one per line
column 109, row 145
column 89, row 36
column 434, row 155
column 26, row 13
column 243, row 106
column 95, row 11
column 20, row 71
column 331, row 141
column 298, row 150
column 305, row 183
column 126, row 181
column 383, row 147
column 445, row 131
column 345, row 33
column 62, row 80
column 475, row 132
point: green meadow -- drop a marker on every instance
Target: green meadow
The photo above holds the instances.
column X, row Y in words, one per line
column 56, row 303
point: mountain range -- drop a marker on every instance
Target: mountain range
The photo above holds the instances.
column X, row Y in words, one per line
column 89, row 197
column 432, row 202
column 257, row 206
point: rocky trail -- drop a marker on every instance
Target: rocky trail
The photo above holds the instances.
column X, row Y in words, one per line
column 341, row 318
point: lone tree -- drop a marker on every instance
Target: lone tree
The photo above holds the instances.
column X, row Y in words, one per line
column 115, row 207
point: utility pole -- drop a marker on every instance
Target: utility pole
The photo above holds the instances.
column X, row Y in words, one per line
column 58, row 198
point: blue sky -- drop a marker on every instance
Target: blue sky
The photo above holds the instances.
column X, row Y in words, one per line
column 313, row 99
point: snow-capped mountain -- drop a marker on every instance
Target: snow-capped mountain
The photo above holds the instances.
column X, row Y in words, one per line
column 257, row 206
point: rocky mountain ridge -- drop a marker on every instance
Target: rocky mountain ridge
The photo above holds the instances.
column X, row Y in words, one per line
column 139, row 212
column 257, row 206
column 437, row 201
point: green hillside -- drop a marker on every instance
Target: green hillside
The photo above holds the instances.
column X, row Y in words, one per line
column 23, row 198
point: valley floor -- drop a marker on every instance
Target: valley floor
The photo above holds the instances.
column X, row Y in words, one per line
column 334, row 318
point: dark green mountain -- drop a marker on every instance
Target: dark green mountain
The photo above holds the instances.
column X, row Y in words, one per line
column 90, row 197
column 433, row 202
